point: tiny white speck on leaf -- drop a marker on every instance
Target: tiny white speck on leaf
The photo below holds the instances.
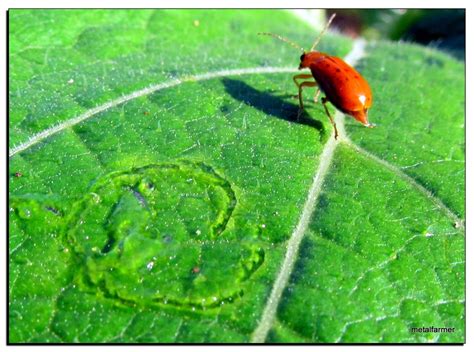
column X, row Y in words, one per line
column 71, row 81
column 150, row 265
column 429, row 234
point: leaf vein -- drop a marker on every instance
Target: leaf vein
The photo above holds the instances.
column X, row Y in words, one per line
column 458, row 222
column 139, row 93
column 260, row 333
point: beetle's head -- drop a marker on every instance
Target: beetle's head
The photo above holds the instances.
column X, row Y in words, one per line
column 308, row 58
column 303, row 62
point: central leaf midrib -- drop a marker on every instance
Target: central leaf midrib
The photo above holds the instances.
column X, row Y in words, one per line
column 268, row 316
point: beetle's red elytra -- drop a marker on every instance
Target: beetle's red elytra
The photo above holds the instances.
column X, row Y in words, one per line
column 342, row 85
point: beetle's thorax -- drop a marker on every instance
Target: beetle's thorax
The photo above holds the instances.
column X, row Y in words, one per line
column 308, row 58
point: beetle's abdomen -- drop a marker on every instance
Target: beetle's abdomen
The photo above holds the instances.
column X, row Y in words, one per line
column 344, row 87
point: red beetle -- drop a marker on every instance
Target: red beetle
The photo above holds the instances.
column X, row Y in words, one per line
column 343, row 86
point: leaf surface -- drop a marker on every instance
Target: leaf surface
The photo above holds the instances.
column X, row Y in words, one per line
column 163, row 214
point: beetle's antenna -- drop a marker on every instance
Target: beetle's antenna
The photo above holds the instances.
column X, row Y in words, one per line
column 323, row 31
column 283, row 39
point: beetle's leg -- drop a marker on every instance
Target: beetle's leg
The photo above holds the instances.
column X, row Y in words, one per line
column 301, row 76
column 324, row 100
column 316, row 95
column 304, row 76
column 300, row 93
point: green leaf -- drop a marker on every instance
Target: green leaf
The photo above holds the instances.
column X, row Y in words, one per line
column 159, row 183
